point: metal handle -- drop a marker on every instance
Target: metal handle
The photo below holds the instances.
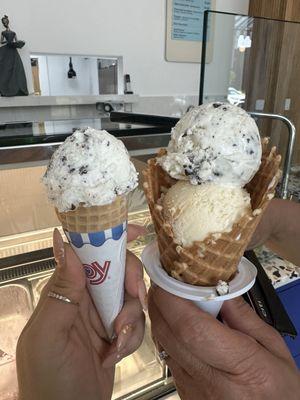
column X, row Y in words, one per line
column 289, row 151
column 154, row 120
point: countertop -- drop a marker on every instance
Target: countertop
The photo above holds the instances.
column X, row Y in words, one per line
column 56, row 131
column 42, row 101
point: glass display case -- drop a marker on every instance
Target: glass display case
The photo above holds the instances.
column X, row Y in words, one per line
column 26, row 263
column 253, row 62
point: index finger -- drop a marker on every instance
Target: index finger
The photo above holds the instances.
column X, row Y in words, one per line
column 202, row 335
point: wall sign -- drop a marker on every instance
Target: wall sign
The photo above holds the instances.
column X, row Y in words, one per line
column 185, row 29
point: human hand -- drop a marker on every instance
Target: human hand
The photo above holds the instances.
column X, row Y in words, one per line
column 266, row 227
column 242, row 358
column 63, row 352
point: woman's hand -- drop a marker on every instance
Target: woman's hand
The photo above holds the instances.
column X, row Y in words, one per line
column 63, row 352
column 279, row 230
column 266, row 227
column 243, row 358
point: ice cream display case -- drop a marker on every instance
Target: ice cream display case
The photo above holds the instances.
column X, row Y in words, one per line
column 26, row 263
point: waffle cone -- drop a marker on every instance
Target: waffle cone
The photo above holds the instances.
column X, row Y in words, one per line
column 217, row 257
column 94, row 218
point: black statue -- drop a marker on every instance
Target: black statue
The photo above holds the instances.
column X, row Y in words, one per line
column 12, row 74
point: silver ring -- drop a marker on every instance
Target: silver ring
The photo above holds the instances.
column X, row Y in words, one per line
column 58, row 296
column 163, row 355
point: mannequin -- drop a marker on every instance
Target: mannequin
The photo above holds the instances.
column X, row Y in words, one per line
column 12, row 74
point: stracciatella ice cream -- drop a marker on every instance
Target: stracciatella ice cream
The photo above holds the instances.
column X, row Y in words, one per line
column 215, row 142
column 90, row 168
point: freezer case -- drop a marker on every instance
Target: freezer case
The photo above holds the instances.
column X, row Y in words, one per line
column 26, row 263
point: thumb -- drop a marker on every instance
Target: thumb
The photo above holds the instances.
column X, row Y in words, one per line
column 68, row 283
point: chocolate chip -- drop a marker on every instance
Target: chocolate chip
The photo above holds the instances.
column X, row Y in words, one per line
column 72, row 207
column 71, row 170
column 251, row 152
column 64, row 159
column 217, row 105
column 224, row 108
column 184, row 135
column 216, row 173
column 277, row 274
column 83, row 170
column 83, row 146
column 248, row 140
column 188, row 172
column 108, row 143
column 234, row 145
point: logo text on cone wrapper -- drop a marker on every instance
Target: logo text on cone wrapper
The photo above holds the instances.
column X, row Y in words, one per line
column 96, row 273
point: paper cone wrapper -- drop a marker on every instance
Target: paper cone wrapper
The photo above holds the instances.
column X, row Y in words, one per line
column 217, row 257
column 206, row 298
column 98, row 235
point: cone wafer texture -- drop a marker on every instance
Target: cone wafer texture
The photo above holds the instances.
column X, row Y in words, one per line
column 94, row 218
column 217, row 257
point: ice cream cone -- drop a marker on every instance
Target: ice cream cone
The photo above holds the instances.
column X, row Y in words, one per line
column 94, row 218
column 98, row 235
column 217, row 257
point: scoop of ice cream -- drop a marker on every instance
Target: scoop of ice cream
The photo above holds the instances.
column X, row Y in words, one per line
column 215, row 142
column 197, row 211
column 91, row 167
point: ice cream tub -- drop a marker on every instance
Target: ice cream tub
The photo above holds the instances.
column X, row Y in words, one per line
column 103, row 255
column 206, row 298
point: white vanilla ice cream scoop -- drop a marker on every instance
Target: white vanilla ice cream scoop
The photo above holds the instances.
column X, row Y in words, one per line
column 197, row 211
column 91, row 168
column 215, row 142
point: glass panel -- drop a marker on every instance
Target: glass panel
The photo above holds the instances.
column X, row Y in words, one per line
column 27, row 217
column 26, row 225
column 254, row 63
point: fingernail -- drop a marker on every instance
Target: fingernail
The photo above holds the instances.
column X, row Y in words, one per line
column 58, row 248
column 142, row 292
column 123, row 337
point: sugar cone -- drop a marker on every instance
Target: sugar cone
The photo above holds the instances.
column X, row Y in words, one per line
column 217, row 257
column 98, row 235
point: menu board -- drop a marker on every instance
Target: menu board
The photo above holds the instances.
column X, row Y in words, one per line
column 185, row 29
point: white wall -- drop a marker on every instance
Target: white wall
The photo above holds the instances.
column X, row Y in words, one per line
column 134, row 29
